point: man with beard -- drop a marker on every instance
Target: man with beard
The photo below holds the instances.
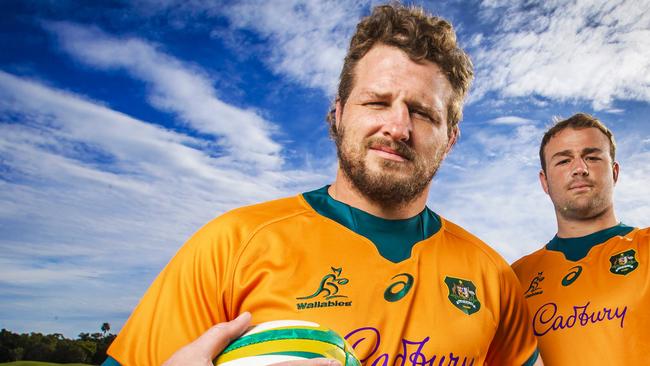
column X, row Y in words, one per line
column 363, row 256
column 588, row 287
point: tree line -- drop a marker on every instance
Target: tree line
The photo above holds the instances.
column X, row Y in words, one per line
column 87, row 348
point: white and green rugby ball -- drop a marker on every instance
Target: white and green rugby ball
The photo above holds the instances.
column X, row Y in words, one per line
column 286, row 340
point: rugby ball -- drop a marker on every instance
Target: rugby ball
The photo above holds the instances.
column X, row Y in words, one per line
column 286, row 340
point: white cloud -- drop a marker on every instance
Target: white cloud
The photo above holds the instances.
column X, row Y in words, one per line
column 175, row 87
column 614, row 111
column 570, row 51
column 304, row 41
column 307, row 40
column 86, row 227
column 510, row 120
column 632, row 190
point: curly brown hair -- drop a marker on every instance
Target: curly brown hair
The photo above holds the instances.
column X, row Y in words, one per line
column 422, row 37
column 577, row 122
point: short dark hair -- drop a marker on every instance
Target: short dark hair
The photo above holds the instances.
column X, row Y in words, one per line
column 422, row 37
column 577, row 121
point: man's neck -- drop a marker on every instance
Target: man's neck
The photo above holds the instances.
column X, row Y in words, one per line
column 575, row 228
column 343, row 190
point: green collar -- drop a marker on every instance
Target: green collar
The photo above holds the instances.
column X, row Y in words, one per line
column 394, row 239
column 574, row 249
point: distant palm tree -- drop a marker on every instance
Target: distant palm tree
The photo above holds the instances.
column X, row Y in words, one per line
column 105, row 328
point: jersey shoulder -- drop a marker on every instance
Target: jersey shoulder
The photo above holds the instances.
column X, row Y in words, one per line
column 529, row 260
column 231, row 232
column 462, row 239
column 249, row 219
column 642, row 235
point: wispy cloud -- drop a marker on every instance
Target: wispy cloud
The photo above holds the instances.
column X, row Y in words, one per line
column 176, row 87
column 566, row 51
column 91, row 198
column 632, row 190
column 307, row 40
column 303, row 41
column 569, row 51
column 510, row 120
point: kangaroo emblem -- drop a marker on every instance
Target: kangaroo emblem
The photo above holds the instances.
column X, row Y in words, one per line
column 329, row 285
column 534, row 284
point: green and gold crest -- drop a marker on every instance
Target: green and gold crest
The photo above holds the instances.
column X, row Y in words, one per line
column 623, row 263
column 462, row 294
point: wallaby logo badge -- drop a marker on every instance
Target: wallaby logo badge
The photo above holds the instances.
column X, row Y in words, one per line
column 328, row 289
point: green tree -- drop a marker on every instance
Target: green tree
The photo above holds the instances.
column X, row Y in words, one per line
column 69, row 351
column 105, row 328
column 10, row 346
column 102, row 347
column 39, row 347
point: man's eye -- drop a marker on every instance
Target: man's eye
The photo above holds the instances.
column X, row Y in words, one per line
column 562, row 162
column 593, row 158
column 421, row 115
column 376, row 104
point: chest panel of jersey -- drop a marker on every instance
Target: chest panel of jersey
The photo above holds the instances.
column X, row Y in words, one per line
column 333, row 272
column 583, row 313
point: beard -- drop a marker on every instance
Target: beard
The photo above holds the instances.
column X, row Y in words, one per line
column 396, row 183
column 584, row 208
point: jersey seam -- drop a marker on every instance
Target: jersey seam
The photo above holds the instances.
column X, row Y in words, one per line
column 472, row 240
column 244, row 245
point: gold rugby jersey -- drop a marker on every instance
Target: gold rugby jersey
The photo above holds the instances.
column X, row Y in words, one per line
column 589, row 298
column 445, row 298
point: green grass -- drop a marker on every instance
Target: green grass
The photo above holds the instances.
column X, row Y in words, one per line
column 38, row 363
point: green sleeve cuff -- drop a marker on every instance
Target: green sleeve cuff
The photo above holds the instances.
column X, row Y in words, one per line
column 531, row 360
column 110, row 361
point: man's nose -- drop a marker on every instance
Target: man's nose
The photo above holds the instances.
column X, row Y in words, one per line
column 580, row 168
column 398, row 123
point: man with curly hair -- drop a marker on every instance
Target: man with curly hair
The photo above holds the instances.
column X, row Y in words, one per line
column 363, row 256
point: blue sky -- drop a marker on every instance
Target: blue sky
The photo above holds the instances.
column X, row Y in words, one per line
column 125, row 126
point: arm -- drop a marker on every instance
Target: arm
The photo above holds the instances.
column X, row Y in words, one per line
column 514, row 342
column 186, row 299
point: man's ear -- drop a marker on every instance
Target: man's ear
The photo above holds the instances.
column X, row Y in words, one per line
column 616, row 168
column 543, row 181
column 338, row 113
column 453, row 137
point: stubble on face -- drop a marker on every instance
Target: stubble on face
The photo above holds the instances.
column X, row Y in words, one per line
column 396, row 183
column 584, row 206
